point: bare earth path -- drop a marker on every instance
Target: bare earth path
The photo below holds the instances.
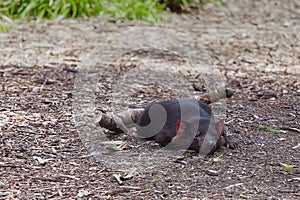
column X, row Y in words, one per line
column 255, row 44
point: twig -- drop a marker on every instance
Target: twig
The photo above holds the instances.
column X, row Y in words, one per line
column 47, row 179
column 234, row 185
column 215, row 96
column 124, row 189
column 44, row 83
column 69, row 176
column 291, row 129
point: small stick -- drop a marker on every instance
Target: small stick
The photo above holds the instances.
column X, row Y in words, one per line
column 216, row 95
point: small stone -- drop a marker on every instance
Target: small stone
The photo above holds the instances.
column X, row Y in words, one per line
column 287, row 23
column 82, row 193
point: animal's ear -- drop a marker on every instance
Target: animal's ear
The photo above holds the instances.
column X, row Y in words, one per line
column 181, row 126
column 220, row 126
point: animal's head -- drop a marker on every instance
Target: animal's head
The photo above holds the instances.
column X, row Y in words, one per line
column 198, row 134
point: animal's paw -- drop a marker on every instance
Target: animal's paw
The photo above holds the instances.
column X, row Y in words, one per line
column 231, row 144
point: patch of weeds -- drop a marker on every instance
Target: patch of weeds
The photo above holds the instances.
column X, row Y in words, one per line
column 86, row 86
column 186, row 176
column 59, row 9
column 157, row 180
column 49, row 9
column 218, row 159
column 189, row 153
column 287, row 168
column 269, row 129
column 133, row 10
column 5, row 22
column 93, row 127
column 112, row 145
column 117, row 9
column 3, row 28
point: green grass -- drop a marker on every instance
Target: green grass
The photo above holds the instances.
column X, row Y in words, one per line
column 133, row 10
column 52, row 9
column 287, row 169
column 112, row 145
column 186, row 176
column 157, row 180
column 3, row 27
column 218, row 159
column 269, row 129
column 117, row 10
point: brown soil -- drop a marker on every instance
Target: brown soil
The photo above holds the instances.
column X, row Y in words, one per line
column 255, row 44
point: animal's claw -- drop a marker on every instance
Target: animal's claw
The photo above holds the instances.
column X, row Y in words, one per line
column 232, row 145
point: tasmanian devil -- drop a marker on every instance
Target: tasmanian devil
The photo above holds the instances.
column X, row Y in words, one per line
column 183, row 124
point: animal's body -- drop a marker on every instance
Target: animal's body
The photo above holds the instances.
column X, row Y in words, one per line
column 183, row 124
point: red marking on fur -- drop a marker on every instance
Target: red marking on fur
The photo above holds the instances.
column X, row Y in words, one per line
column 220, row 126
column 181, row 126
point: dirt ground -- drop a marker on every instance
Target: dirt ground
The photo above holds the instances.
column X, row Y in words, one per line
column 255, row 45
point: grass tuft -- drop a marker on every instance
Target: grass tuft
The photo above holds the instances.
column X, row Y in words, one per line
column 287, row 169
column 157, row 180
column 134, row 10
column 269, row 129
column 50, row 9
